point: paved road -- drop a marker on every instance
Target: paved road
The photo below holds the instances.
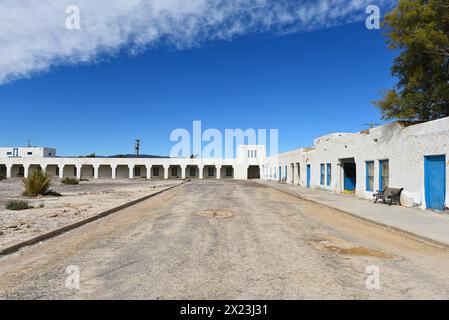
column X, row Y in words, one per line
column 227, row 240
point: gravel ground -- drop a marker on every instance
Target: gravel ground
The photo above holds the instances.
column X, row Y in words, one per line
column 77, row 202
column 227, row 240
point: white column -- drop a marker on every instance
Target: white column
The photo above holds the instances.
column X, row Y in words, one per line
column 44, row 168
column 183, row 172
column 149, row 168
column 26, row 170
column 218, row 173
column 131, row 173
column 114, row 171
column 61, row 171
column 200, row 172
column 293, row 173
column 96, row 169
column 166, row 172
column 8, row 171
column 78, row 172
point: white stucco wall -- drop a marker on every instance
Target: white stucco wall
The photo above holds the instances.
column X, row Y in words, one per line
column 404, row 146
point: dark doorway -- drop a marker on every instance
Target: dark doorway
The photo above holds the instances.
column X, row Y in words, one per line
column 253, row 172
column 350, row 173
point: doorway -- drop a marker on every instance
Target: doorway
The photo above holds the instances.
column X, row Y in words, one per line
column 349, row 175
column 253, row 172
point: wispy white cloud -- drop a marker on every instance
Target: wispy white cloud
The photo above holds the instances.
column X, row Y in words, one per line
column 33, row 36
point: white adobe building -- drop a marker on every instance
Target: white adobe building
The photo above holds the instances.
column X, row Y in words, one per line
column 399, row 154
column 18, row 162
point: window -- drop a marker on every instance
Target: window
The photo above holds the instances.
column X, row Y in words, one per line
column 174, row 171
column 369, row 175
column 30, row 153
column 329, row 174
column 229, row 172
column 255, row 153
column 156, row 172
column 384, row 174
column 50, row 154
column 9, row 153
column 137, row 172
column 211, row 171
column 322, row 174
column 192, row 171
column 285, row 172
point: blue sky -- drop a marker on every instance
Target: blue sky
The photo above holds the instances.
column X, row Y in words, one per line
column 305, row 84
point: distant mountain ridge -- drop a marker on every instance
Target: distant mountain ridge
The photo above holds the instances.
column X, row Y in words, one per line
column 136, row 156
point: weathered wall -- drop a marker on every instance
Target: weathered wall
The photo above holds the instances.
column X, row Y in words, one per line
column 404, row 146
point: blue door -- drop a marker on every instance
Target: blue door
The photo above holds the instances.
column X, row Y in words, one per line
column 435, row 181
column 308, row 176
column 349, row 176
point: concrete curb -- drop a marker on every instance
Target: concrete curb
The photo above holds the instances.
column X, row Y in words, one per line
column 66, row 228
column 405, row 233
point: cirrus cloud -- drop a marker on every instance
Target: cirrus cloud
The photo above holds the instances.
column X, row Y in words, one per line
column 33, row 36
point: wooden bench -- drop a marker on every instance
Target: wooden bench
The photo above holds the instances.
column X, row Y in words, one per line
column 389, row 195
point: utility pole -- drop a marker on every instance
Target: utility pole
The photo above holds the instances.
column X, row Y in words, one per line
column 371, row 125
column 137, row 147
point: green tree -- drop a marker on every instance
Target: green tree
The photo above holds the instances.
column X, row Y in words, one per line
column 419, row 29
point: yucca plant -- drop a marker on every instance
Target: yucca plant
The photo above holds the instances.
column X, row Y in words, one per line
column 36, row 184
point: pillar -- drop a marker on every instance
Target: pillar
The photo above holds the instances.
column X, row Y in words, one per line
column 218, row 173
column 131, row 171
column 200, row 172
column 292, row 166
column 61, row 171
column 183, row 172
column 149, row 168
column 166, row 172
column 114, row 171
column 96, row 169
column 26, row 170
column 8, row 171
column 78, row 172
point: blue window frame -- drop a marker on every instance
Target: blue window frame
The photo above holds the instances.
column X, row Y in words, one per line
column 384, row 174
column 322, row 174
column 329, row 174
column 309, row 172
column 369, row 175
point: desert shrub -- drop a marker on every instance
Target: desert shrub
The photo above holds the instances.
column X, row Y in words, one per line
column 18, row 205
column 36, row 184
column 69, row 181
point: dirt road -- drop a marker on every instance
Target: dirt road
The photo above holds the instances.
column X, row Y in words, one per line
column 227, row 240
